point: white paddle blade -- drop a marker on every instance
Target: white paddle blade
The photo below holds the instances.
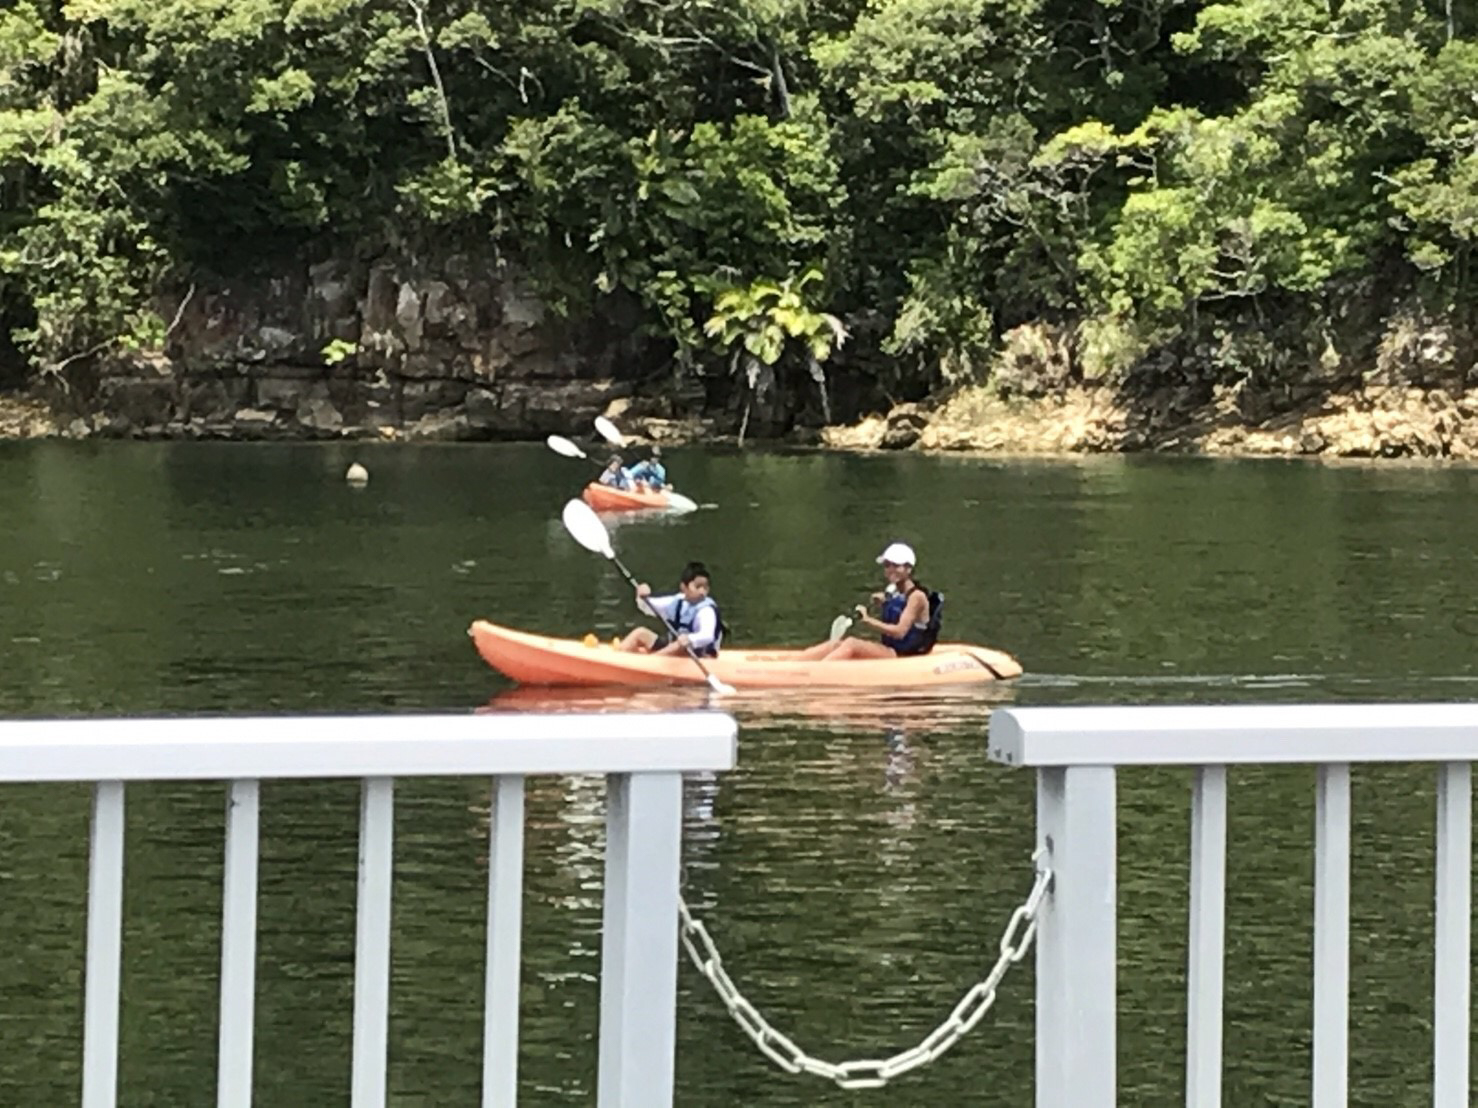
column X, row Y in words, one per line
column 677, row 502
column 607, row 430
column 586, row 528
column 719, row 687
column 839, row 627
column 564, row 446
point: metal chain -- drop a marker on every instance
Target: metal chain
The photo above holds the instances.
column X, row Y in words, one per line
column 869, row 1073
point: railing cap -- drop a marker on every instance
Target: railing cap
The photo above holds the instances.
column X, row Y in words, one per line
column 267, row 747
column 1231, row 734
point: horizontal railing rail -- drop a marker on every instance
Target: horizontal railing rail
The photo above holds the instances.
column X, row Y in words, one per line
column 1076, row 751
column 642, row 756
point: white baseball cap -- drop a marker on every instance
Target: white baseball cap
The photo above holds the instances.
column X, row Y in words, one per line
column 900, row 554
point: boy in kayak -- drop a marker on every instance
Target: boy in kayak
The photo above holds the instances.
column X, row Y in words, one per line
column 651, row 472
column 691, row 610
column 615, row 474
column 908, row 622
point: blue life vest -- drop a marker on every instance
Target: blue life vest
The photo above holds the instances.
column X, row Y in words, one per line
column 916, row 640
column 685, row 619
column 651, row 471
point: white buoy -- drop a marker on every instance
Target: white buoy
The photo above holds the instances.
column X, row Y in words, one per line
column 357, row 475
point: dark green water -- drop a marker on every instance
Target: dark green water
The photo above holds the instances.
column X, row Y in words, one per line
column 859, row 865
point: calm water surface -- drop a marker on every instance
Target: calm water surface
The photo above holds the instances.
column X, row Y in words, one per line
column 859, row 865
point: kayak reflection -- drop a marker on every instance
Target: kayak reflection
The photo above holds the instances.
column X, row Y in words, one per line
column 894, row 712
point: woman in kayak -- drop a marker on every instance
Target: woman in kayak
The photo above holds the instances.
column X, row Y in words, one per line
column 691, row 610
column 908, row 621
column 651, row 472
column 615, row 474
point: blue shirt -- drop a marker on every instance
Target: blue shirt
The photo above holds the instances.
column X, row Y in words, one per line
column 651, row 471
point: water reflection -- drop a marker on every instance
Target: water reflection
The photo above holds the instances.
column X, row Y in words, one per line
column 892, row 714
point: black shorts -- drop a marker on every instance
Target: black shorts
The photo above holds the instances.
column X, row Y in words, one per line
column 907, row 649
column 667, row 639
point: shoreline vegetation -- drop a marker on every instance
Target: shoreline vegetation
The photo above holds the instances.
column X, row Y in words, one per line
column 1375, row 422
column 1226, row 226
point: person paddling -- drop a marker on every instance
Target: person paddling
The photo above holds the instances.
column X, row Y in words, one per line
column 908, row 622
column 651, row 472
column 615, row 474
column 691, row 610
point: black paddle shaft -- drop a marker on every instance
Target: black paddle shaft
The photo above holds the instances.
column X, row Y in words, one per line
column 676, row 634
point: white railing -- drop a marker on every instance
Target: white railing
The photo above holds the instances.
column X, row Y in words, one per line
column 642, row 756
column 1075, row 752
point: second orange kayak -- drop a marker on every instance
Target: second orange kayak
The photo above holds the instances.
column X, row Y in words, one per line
column 542, row 660
column 605, row 498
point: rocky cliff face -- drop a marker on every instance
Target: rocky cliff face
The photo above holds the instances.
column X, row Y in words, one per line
column 442, row 349
column 437, row 348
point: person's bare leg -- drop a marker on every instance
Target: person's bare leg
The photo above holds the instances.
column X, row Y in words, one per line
column 639, row 640
column 859, row 648
column 819, row 651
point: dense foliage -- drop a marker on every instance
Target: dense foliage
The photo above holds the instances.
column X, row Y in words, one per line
column 1135, row 169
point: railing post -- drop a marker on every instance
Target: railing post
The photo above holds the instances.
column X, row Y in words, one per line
column 1206, row 950
column 1077, row 939
column 638, row 990
column 104, row 948
column 504, row 943
column 370, row 1046
column 1452, row 992
column 1331, row 936
column 239, row 945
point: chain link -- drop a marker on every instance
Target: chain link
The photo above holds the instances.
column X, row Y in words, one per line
column 869, row 1073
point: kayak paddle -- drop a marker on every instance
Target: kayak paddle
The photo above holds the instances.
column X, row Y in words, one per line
column 561, row 445
column 586, row 529
column 842, row 624
column 607, row 430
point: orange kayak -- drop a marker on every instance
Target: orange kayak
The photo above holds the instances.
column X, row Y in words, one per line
column 541, row 660
column 605, row 498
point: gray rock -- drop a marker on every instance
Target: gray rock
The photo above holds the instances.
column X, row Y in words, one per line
column 419, row 399
column 319, row 415
column 378, row 307
column 212, row 397
column 141, row 401
column 408, row 316
column 282, row 393
column 276, row 340
column 439, row 427
column 440, row 303
column 521, row 309
column 485, row 410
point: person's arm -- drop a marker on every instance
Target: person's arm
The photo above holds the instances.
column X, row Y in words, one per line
column 916, row 611
column 663, row 607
